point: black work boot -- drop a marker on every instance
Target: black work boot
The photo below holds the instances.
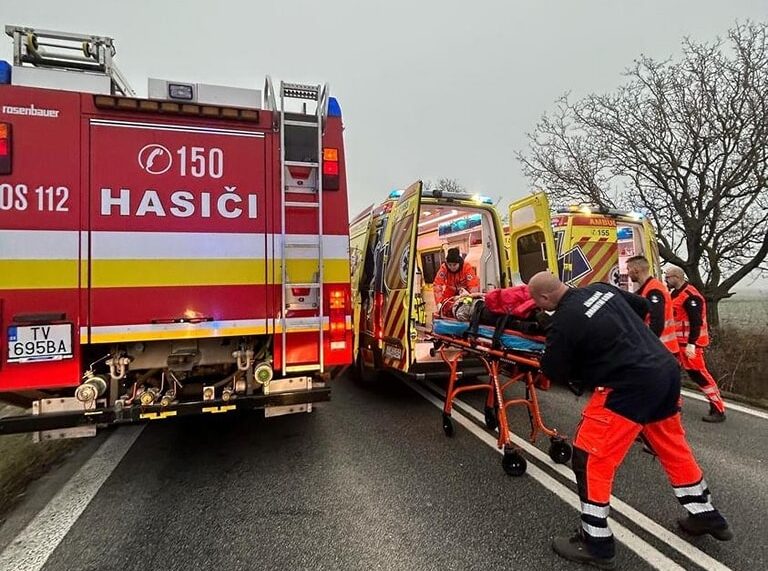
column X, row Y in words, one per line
column 697, row 525
column 714, row 415
column 574, row 548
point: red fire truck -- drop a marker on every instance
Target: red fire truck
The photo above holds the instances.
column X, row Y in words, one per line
column 183, row 253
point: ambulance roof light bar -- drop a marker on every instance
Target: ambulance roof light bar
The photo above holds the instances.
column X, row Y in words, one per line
column 588, row 210
column 452, row 195
column 74, row 52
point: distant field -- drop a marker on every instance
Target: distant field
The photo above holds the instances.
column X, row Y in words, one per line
column 746, row 310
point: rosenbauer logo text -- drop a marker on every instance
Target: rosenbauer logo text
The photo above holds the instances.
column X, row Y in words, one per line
column 31, row 111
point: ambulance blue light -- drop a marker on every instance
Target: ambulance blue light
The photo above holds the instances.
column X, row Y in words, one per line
column 5, row 72
column 334, row 109
column 396, row 194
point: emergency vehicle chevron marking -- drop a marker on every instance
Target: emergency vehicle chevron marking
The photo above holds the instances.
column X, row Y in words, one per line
column 600, row 254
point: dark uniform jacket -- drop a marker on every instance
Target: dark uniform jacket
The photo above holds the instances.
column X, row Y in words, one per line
column 598, row 339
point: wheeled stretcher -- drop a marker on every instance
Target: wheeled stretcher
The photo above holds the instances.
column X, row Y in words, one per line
column 509, row 357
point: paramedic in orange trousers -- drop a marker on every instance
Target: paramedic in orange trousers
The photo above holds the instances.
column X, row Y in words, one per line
column 690, row 312
column 598, row 340
column 453, row 276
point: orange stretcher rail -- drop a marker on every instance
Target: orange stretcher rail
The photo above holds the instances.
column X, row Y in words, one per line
column 517, row 368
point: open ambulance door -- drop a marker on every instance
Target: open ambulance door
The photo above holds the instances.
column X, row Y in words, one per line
column 652, row 248
column 530, row 241
column 359, row 232
column 399, row 272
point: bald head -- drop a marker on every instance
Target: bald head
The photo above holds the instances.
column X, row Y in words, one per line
column 546, row 290
column 674, row 276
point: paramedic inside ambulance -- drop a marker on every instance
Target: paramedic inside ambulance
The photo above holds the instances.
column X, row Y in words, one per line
column 454, row 277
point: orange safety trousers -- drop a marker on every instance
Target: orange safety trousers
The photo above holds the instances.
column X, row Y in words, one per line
column 602, row 440
column 699, row 374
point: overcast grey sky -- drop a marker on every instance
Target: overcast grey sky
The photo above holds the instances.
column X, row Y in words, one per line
column 429, row 89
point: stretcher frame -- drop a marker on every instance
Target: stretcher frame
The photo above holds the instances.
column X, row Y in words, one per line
column 517, row 367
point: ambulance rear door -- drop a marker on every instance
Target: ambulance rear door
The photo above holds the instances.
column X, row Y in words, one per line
column 530, row 242
column 652, row 248
column 359, row 231
column 399, row 269
column 587, row 249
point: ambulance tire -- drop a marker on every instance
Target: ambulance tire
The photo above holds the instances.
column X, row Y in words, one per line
column 363, row 374
column 560, row 451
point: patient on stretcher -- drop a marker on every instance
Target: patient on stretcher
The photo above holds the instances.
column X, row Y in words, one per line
column 509, row 308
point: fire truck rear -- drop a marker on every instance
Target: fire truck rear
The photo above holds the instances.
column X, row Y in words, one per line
column 184, row 253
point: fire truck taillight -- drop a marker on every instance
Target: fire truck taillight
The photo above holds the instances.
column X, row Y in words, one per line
column 330, row 168
column 5, row 148
column 338, row 319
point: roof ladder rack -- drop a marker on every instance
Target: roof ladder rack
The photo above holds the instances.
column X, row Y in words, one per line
column 69, row 52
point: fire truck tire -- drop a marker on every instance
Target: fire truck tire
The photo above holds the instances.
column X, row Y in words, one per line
column 514, row 464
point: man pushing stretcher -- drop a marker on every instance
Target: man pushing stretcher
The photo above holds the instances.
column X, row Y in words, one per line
column 598, row 339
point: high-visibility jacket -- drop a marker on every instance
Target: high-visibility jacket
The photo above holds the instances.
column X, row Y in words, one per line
column 447, row 283
column 661, row 304
column 690, row 311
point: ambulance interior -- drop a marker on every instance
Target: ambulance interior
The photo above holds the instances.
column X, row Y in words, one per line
column 629, row 237
column 440, row 227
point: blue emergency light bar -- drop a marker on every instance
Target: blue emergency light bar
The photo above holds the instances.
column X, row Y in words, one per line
column 5, row 72
column 334, row 109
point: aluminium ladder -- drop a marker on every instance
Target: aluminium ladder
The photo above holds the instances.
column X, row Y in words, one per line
column 291, row 189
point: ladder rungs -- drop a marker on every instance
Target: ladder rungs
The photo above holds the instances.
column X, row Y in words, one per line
column 303, row 204
column 301, row 241
column 302, row 164
column 294, row 123
column 304, row 285
column 301, row 189
column 302, row 245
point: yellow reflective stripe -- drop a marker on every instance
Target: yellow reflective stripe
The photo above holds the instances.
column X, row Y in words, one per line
column 137, row 273
column 148, row 273
column 303, row 271
column 63, row 274
column 38, row 274
column 190, row 334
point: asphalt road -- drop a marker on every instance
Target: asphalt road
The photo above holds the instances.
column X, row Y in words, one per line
column 369, row 481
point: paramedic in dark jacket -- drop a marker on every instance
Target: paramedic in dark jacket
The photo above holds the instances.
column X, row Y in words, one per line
column 599, row 339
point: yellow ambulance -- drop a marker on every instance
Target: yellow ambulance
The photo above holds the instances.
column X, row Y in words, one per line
column 396, row 250
column 581, row 244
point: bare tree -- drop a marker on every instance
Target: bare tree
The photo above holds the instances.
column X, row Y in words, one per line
column 686, row 140
column 445, row 184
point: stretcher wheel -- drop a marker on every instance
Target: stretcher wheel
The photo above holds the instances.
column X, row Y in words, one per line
column 560, row 451
column 448, row 426
column 491, row 421
column 514, row 464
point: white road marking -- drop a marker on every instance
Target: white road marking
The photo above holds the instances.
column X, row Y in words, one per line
column 34, row 545
column 730, row 405
column 652, row 555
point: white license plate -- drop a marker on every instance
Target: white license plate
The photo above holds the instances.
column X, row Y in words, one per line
column 39, row 343
column 393, row 352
